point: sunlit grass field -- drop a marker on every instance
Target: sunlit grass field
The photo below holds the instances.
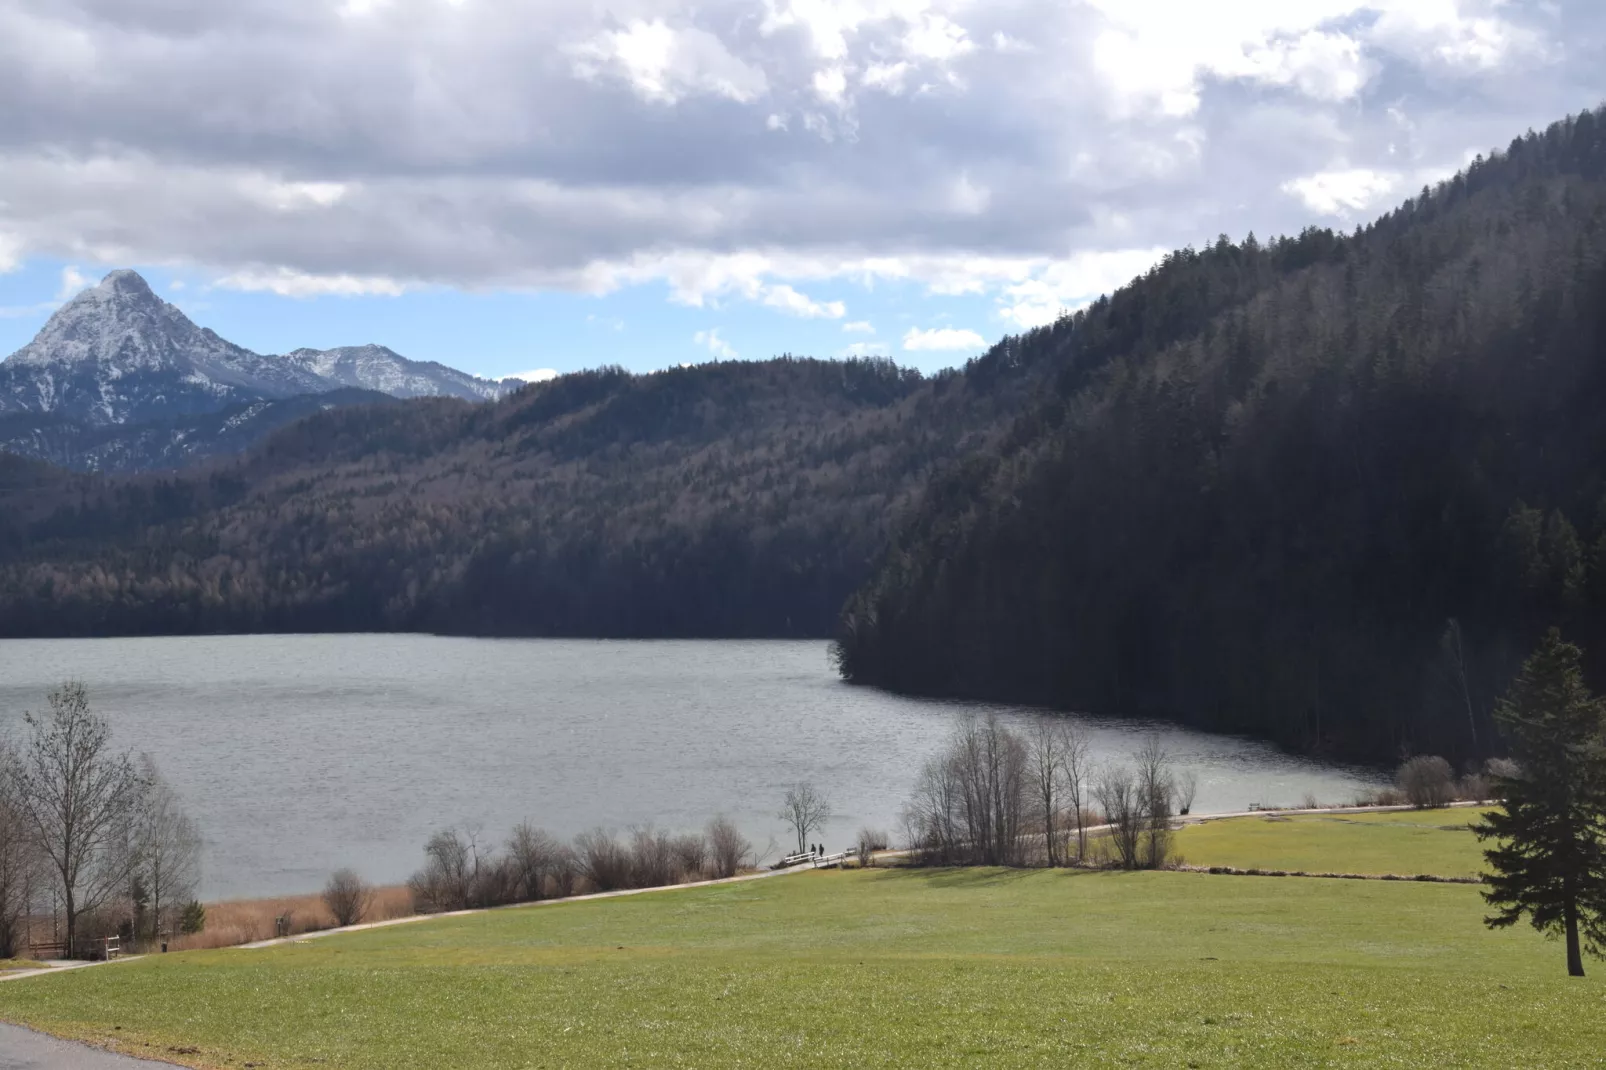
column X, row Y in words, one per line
column 876, row 968
column 1409, row 842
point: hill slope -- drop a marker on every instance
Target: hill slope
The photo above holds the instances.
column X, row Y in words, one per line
column 1333, row 512
column 722, row 500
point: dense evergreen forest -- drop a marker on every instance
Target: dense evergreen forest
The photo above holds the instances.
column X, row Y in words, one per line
column 732, row 499
column 1327, row 489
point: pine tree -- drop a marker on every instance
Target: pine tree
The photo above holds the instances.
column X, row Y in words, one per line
column 1550, row 861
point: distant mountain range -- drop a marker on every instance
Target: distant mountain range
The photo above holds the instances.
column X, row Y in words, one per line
column 119, row 379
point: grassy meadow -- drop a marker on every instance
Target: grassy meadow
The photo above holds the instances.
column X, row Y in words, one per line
column 1406, row 842
column 876, row 968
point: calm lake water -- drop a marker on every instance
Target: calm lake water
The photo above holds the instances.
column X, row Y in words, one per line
column 301, row 754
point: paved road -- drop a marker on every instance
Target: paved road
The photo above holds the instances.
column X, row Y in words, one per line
column 23, row 1049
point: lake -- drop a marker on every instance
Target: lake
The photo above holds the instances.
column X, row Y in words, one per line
column 301, row 754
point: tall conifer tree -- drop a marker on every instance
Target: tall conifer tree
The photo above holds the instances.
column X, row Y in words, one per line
column 1550, row 860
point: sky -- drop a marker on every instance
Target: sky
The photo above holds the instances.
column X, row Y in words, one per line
column 517, row 186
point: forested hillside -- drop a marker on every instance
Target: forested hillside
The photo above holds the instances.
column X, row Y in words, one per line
column 1325, row 489
column 733, row 499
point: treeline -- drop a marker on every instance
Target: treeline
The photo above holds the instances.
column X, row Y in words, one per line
column 735, row 499
column 1326, row 489
column 460, row 873
column 996, row 797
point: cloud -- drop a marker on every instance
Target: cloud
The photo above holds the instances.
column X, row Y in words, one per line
column 73, row 283
column 287, row 282
column 864, row 349
column 664, row 64
column 1028, row 153
column 715, row 344
column 788, row 300
column 859, row 327
column 537, row 375
column 942, row 339
column 1340, row 193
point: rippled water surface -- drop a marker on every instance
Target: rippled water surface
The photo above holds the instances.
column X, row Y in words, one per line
column 300, row 754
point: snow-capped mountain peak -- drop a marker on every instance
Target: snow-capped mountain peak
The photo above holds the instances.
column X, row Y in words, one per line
column 117, row 353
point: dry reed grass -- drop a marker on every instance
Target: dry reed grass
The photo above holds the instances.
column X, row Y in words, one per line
column 244, row 921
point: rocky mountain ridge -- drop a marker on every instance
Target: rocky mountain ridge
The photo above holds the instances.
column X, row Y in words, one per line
column 119, row 367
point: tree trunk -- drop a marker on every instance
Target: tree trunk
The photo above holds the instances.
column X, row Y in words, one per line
column 72, row 922
column 1575, row 960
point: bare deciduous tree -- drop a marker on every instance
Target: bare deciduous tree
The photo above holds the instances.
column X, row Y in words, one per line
column 78, row 798
column 167, row 845
column 19, row 862
column 1121, row 800
column 1075, row 764
column 348, row 897
column 1156, row 788
column 806, row 811
column 727, row 847
column 971, row 800
column 1046, row 763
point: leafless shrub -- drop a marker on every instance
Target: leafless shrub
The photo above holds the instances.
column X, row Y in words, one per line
column 533, row 857
column 652, row 858
column 691, row 856
column 447, row 880
column 1474, row 787
column 1498, row 772
column 603, row 861
column 1187, row 787
column 348, row 897
column 870, row 841
column 727, row 848
column 1427, row 781
column 1309, row 802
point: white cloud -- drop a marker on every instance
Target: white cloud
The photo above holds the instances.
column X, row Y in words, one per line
column 1337, row 193
column 73, row 283
column 715, row 344
column 665, row 64
column 831, row 85
column 888, row 77
column 865, row 349
column 859, row 327
column 788, row 300
column 937, row 37
column 1069, row 284
column 536, row 375
column 287, row 282
column 942, row 339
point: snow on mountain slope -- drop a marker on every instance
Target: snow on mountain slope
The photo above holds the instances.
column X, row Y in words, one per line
column 374, row 367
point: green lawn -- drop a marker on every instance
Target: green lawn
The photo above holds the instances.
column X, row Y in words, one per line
column 878, row 968
column 1404, row 842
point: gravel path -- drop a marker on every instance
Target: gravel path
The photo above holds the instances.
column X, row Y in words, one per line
column 23, row 1049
